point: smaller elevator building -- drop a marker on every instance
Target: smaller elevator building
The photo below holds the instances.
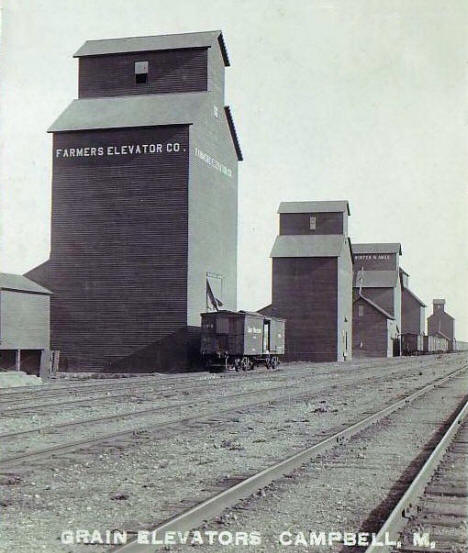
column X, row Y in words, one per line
column 312, row 271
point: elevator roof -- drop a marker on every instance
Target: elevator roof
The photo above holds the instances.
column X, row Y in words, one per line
column 128, row 45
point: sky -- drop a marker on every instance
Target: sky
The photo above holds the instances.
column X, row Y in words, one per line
column 363, row 100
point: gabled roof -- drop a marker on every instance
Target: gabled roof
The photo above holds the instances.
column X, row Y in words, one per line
column 390, row 247
column 129, row 45
column 9, row 281
column 412, row 294
column 306, row 245
column 374, row 279
column 375, row 306
column 143, row 110
column 233, row 131
column 440, row 314
column 314, row 207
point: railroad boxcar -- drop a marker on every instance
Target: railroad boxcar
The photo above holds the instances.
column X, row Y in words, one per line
column 412, row 344
column 240, row 340
column 435, row 344
column 441, row 344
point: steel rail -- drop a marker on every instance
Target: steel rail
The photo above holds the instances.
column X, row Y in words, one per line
column 105, row 383
column 407, row 506
column 208, row 509
column 126, row 392
column 197, row 384
column 8, row 462
column 350, row 380
column 100, row 383
column 70, row 446
column 130, row 414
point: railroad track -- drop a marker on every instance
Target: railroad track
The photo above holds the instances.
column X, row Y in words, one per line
column 432, row 514
column 208, row 509
column 111, row 437
column 146, row 387
column 13, row 395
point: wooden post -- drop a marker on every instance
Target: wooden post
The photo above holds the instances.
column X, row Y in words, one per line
column 18, row 359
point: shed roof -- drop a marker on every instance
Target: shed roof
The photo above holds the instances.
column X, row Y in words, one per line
column 382, row 247
column 9, row 281
column 314, row 207
column 328, row 245
column 143, row 110
column 375, row 306
column 375, row 279
column 440, row 333
column 232, row 129
column 127, row 45
column 403, row 271
column 412, row 294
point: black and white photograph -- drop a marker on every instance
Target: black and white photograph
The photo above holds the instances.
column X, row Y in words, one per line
column 233, row 276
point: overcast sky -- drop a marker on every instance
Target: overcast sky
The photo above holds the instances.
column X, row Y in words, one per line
column 363, row 100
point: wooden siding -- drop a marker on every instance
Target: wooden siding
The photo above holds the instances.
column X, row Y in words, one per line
column 412, row 314
column 213, row 212
column 168, row 71
column 299, row 223
column 305, row 293
column 118, row 266
column 370, row 332
column 24, row 320
column 383, row 297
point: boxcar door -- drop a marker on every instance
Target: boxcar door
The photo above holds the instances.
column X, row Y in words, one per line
column 266, row 336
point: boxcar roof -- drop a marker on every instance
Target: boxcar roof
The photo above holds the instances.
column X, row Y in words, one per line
column 375, row 279
column 314, row 207
column 127, row 45
column 145, row 110
column 326, row 245
column 383, row 247
column 9, row 281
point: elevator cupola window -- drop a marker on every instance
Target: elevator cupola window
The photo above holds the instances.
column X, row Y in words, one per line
column 141, row 72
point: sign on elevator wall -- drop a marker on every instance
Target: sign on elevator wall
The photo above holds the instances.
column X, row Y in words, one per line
column 376, row 261
column 118, row 150
column 212, row 162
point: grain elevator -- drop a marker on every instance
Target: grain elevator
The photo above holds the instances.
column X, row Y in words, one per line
column 144, row 203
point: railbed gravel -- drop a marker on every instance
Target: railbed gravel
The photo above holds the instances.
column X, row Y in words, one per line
column 46, row 438
column 135, row 401
column 134, row 486
column 351, row 489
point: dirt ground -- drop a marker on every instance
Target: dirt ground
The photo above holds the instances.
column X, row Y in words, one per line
column 149, row 477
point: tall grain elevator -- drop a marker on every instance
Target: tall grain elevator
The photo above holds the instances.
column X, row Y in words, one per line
column 312, row 280
column 144, row 203
column 377, row 300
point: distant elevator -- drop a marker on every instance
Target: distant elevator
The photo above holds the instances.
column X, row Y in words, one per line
column 312, row 279
column 144, row 194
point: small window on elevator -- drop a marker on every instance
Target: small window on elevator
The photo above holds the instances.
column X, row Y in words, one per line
column 313, row 223
column 360, row 311
column 141, row 72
